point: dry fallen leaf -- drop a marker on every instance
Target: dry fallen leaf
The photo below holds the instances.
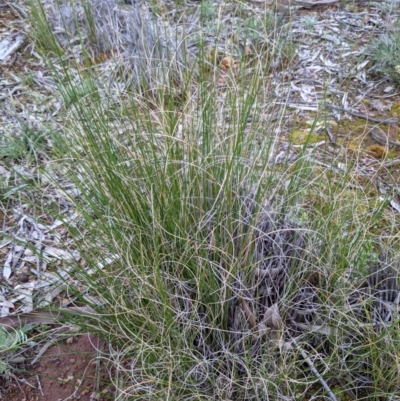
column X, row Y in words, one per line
column 272, row 318
column 379, row 105
column 4, row 172
column 248, row 51
column 377, row 151
column 69, row 340
column 221, row 79
column 228, row 63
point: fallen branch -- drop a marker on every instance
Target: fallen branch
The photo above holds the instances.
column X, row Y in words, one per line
column 310, row 4
column 41, row 316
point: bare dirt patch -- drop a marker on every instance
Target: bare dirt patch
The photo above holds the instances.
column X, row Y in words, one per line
column 68, row 370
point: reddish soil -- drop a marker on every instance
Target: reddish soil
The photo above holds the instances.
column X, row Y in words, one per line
column 69, row 370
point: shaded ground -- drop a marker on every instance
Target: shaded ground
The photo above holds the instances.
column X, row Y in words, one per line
column 68, row 370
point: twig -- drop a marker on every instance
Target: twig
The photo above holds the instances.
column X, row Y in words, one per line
column 314, row 370
column 39, row 385
column 383, row 141
column 385, row 96
column 392, row 163
column 363, row 116
column 310, row 4
column 10, row 92
column 17, row 8
column 330, row 135
column 248, row 312
column 42, row 351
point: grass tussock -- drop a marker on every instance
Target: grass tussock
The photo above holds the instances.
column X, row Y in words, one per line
column 211, row 272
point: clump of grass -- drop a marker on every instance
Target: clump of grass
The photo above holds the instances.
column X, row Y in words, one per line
column 169, row 196
column 195, row 264
column 385, row 52
column 41, row 30
column 11, row 342
column 309, row 22
column 133, row 46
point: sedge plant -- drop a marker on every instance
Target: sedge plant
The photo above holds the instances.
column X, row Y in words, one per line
column 172, row 189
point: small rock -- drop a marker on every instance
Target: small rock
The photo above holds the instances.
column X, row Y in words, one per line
column 23, row 278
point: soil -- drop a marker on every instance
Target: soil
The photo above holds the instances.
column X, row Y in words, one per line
column 68, row 370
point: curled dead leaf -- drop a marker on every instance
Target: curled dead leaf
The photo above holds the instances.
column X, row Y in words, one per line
column 69, row 340
column 248, row 51
column 228, row 63
column 272, row 319
column 377, row 151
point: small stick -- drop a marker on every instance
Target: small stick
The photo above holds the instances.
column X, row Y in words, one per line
column 248, row 312
column 364, row 116
column 315, row 371
column 330, row 135
column 39, row 385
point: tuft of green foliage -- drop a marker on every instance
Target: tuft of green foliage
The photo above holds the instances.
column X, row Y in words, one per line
column 162, row 184
column 10, row 342
column 385, row 52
